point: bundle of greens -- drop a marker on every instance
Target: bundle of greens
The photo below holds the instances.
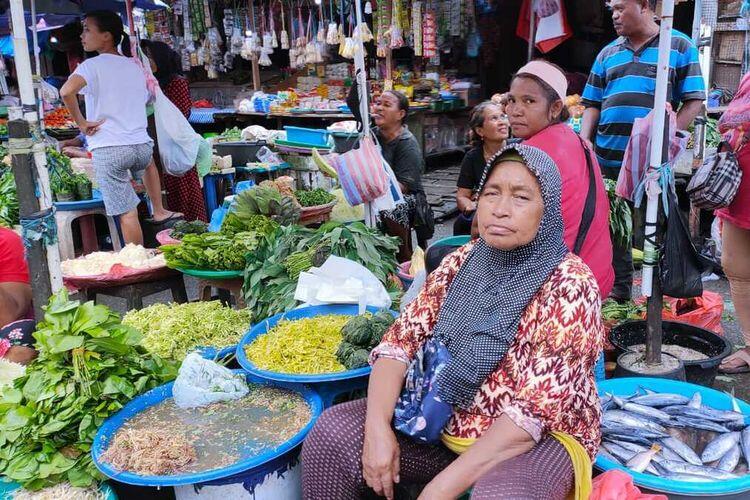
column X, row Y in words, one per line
column 314, row 198
column 173, row 330
column 213, row 251
column 65, row 184
column 360, row 335
column 261, row 224
column 272, row 270
column 182, row 228
column 89, row 366
column 8, row 200
column 620, row 216
column 233, row 134
column 614, row 312
column 266, row 200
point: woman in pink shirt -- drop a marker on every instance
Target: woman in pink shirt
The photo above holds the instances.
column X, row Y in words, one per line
column 537, row 113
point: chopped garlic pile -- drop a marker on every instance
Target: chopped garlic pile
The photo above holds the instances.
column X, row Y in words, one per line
column 97, row 263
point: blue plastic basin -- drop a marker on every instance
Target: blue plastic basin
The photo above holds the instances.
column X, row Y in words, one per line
column 159, row 394
column 710, row 397
column 312, row 136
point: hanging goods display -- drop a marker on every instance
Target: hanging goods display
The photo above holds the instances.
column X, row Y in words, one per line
column 332, row 37
column 284, row 35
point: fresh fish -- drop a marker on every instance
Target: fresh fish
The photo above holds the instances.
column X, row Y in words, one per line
column 730, row 459
column 745, row 443
column 722, row 415
column 628, row 419
column 609, row 456
column 647, row 390
column 660, row 399
column 668, row 454
column 606, row 402
column 634, row 447
column 641, row 460
column 698, row 470
column 682, row 450
column 635, row 435
column 735, row 425
column 633, row 438
column 719, row 446
column 680, row 421
column 652, row 470
column 735, row 404
column 643, row 410
column 695, row 401
column 618, row 452
column 691, row 478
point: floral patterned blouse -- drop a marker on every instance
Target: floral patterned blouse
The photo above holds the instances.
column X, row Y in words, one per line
column 546, row 381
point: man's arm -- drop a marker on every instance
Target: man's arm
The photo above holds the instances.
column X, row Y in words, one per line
column 688, row 112
column 588, row 127
column 15, row 300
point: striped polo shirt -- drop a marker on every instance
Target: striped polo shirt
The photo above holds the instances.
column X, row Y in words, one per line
column 622, row 84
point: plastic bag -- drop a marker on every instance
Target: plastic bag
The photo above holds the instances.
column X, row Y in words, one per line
column 342, row 281
column 618, row 485
column 201, row 382
column 681, row 269
column 178, row 142
column 704, row 311
column 414, row 289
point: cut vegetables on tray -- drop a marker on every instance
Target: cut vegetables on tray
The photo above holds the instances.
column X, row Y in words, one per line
column 62, row 491
column 173, row 330
column 303, row 346
column 89, row 366
column 98, row 263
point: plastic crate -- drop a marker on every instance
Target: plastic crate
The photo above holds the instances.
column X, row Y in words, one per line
column 312, row 136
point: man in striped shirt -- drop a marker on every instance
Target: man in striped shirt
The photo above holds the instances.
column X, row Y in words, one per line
column 621, row 88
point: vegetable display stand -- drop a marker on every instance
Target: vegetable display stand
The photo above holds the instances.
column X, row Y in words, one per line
column 259, row 174
column 317, row 214
column 261, row 463
column 728, row 489
column 134, row 293
column 83, row 211
column 328, row 385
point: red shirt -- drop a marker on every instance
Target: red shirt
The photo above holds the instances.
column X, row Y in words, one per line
column 564, row 147
column 13, row 267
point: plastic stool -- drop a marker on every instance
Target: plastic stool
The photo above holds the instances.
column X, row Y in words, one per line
column 68, row 211
column 210, row 182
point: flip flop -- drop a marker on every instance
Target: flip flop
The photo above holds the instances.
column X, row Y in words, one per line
column 174, row 216
column 735, row 371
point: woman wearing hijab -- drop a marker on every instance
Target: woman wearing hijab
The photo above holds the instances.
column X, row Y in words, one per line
column 537, row 113
column 501, row 398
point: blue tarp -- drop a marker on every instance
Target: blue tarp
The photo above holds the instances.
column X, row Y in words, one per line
column 6, row 42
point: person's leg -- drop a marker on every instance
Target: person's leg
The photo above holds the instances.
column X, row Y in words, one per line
column 153, row 188
column 544, row 472
column 735, row 261
column 131, row 228
column 332, row 456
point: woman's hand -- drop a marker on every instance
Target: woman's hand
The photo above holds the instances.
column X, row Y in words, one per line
column 381, row 457
column 90, row 128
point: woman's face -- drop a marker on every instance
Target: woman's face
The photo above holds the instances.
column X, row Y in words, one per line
column 528, row 109
column 92, row 39
column 495, row 127
column 385, row 111
column 510, row 207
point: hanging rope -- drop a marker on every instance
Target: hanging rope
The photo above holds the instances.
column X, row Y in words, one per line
column 39, row 226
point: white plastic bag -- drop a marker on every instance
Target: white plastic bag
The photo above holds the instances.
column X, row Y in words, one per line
column 201, row 382
column 178, row 142
column 414, row 289
column 341, row 281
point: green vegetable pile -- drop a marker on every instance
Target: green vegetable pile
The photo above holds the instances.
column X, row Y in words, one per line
column 314, row 198
column 268, row 201
column 89, row 366
column 713, row 136
column 261, row 224
column 63, row 181
column 233, row 134
column 182, row 228
column 620, row 216
column 213, row 251
column 272, row 270
column 360, row 335
column 174, row 330
column 8, row 200
column 614, row 312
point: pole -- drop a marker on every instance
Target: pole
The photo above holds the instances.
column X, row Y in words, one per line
column 650, row 286
column 532, row 32
column 360, row 71
column 50, row 274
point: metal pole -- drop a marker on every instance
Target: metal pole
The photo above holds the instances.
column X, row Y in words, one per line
column 532, row 32
column 650, row 288
column 28, row 112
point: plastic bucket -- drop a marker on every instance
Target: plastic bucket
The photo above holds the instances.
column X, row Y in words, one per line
column 725, row 490
column 701, row 372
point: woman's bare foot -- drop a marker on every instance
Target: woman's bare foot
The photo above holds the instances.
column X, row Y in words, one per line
column 739, row 362
column 165, row 215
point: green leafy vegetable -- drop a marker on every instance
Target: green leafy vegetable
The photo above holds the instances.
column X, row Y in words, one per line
column 8, row 200
column 173, row 330
column 89, row 366
column 233, row 224
column 213, row 251
column 620, row 216
column 182, row 228
column 314, row 198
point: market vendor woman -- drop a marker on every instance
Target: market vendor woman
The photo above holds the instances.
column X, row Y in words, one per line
column 402, row 152
column 513, row 408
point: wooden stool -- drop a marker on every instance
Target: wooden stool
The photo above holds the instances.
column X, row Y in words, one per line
column 133, row 293
column 226, row 288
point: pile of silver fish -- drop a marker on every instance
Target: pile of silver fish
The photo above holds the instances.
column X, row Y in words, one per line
column 675, row 437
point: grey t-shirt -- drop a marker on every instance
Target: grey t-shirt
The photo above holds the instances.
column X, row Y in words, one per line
column 404, row 156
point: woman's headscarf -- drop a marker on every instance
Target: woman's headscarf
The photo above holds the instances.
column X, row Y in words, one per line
column 483, row 306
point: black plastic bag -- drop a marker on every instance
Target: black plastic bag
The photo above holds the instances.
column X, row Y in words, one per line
column 681, row 267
